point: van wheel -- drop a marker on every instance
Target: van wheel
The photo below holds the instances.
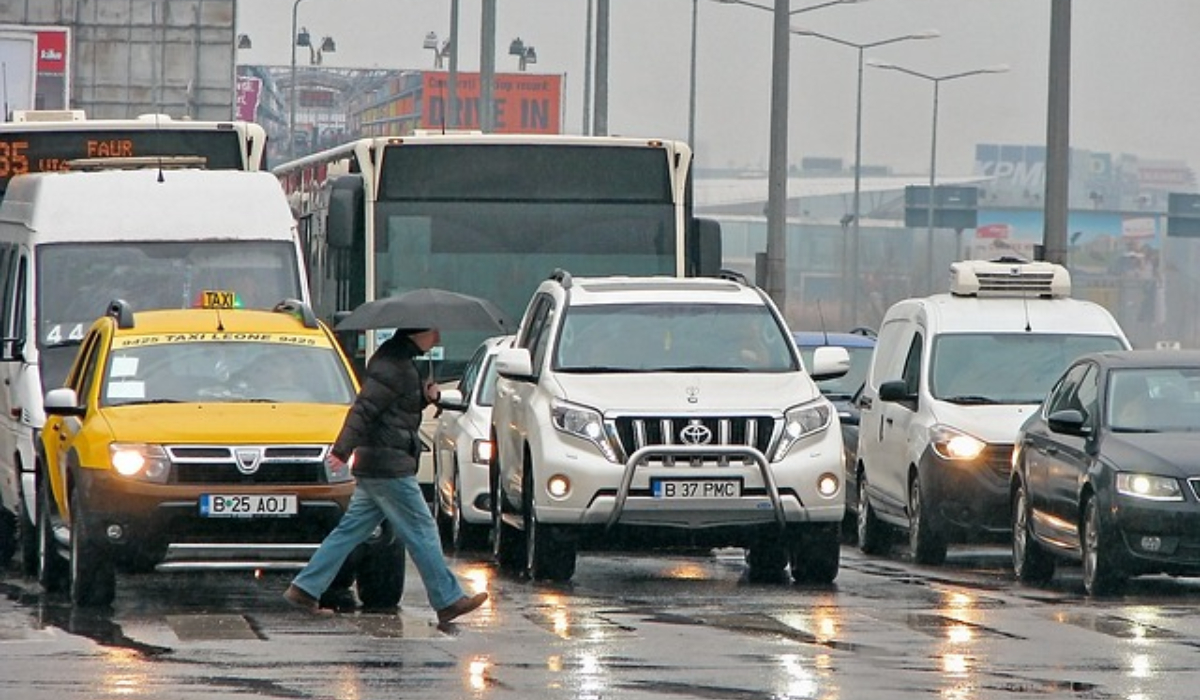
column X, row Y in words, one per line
column 52, row 567
column 815, row 555
column 873, row 535
column 380, row 575
column 1031, row 563
column 549, row 550
column 93, row 577
column 926, row 541
column 1102, row 572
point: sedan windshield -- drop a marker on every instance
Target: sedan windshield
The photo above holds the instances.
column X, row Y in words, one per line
column 1005, row 368
column 673, row 338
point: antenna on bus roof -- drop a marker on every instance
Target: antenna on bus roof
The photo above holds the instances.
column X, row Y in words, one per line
column 158, row 132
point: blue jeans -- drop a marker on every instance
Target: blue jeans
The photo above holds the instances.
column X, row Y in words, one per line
column 401, row 503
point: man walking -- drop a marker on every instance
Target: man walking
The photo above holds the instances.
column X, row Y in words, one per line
column 379, row 438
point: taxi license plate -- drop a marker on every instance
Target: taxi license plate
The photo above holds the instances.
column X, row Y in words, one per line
column 214, row 505
column 696, row 488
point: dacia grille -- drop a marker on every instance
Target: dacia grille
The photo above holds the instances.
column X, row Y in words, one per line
column 247, row 464
column 636, row 432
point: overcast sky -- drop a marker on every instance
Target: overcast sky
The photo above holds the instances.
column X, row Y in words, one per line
column 1134, row 84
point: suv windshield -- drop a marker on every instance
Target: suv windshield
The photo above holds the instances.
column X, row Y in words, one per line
column 672, row 337
column 1013, row 368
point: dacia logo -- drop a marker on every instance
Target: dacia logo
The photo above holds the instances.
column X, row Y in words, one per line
column 248, row 459
column 695, row 433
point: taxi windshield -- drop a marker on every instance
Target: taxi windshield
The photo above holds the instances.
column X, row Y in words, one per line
column 224, row 371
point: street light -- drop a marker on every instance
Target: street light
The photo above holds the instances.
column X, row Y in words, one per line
column 777, row 165
column 440, row 53
column 854, row 238
column 526, row 54
column 315, row 55
column 294, row 40
column 243, row 41
column 937, row 80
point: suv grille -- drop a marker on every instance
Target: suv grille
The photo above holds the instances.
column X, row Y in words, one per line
column 636, row 432
column 247, row 464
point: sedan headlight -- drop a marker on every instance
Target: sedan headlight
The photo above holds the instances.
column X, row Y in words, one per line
column 140, row 461
column 801, row 422
column 584, row 423
column 954, row 445
column 1149, row 487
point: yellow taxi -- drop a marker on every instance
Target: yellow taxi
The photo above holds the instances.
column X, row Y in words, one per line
column 198, row 438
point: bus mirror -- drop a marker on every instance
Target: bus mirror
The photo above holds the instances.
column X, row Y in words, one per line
column 12, row 350
column 344, row 224
column 704, row 248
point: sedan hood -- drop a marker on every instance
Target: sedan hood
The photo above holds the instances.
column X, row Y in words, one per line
column 264, row 423
column 688, row 392
column 1167, row 454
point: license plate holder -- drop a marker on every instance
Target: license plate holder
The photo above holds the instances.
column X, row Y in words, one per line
column 695, row 488
column 230, row 505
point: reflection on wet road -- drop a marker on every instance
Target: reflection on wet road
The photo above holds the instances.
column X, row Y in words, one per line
column 629, row 626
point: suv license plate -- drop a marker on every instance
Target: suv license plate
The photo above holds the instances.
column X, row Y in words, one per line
column 214, row 505
column 696, row 488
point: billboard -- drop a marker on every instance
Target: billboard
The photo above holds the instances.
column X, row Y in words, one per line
column 526, row 103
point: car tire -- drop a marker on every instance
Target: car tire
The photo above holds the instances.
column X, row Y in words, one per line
column 549, row 550
column 1032, row 564
column 52, row 567
column 815, row 553
column 380, row 573
column 444, row 520
column 93, row 578
column 8, row 537
column 767, row 557
column 508, row 549
column 925, row 540
column 1102, row 572
column 873, row 534
column 27, row 537
column 465, row 536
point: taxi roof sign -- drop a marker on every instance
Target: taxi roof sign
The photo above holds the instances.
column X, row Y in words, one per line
column 219, row 299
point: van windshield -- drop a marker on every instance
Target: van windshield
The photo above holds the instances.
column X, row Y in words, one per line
column 1005, row 368
column 673, row 338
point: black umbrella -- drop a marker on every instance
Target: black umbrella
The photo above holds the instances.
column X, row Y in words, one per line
column 427, row 308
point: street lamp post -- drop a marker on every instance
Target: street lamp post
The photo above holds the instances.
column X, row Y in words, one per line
column 937, row 80
column 777, row 163
column 525, row 54
column 854, row 237
column 292, row 87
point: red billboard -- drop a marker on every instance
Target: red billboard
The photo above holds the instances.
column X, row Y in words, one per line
column 526, row 103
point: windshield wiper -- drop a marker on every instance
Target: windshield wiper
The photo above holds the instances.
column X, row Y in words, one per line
column 600, row 370
column 972, row 399
column 704, row 368
column 71, row 342
column 143, row 402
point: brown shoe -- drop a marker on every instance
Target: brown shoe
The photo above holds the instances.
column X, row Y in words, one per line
column 303, row 601
column 461, row 607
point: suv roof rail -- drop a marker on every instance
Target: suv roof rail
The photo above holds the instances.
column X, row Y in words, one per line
column 122, row 311
column 562, row 277
column 733, row 276
column 299, row 309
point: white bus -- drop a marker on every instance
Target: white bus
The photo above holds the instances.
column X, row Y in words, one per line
column 490, row 215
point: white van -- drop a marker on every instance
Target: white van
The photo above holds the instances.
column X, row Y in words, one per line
column 71, row 242
column 952, row 379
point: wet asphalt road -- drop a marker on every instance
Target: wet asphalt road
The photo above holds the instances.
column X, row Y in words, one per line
column 629, row 626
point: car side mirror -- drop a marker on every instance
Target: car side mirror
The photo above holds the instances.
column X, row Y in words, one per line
column 895, row 390
column 452, row 400
column 830, row 361
column 63, row 402
column 1068, row 421
column 12, row 350
column 515, row 363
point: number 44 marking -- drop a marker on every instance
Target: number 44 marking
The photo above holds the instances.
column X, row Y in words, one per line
column 55, row 334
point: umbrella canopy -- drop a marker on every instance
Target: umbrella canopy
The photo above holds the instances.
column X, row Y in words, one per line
column 427, row 308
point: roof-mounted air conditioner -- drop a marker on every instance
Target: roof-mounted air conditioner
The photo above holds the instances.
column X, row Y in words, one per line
column 49, row 115
column 1009, row 278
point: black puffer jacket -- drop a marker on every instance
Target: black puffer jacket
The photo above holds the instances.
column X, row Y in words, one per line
column 381, row 427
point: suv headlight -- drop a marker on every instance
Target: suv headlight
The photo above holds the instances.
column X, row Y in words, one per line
column 583, row 423
column 801, row 421
column 140, row 461
column 1149, row 487
column 954, row 445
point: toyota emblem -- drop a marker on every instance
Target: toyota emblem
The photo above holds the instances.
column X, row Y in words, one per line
column 695, row 433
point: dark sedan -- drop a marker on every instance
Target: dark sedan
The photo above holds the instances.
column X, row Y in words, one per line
column 1107, row 472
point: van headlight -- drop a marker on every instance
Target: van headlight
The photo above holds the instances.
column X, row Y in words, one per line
column 800, row 422
column 955, row 445
column 139, row 461
column 584, row 423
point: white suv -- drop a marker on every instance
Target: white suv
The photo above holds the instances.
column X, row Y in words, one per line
column 669, row 404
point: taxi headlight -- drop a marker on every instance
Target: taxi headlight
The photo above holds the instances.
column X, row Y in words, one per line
column 801, row 422
column 955, row 445
column 140, row 461
column 584, row 423
column 1149, row 487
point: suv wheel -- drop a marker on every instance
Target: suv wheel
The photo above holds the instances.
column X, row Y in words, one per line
column 549, row 551
column 507, row 548
column 380, row 574
column 926, row 541
column 873, row 535
column 1102, row 574
column 93, row 578
column 815, row 553
column 51, row 568
column 768, row 555
column 1031, row 563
